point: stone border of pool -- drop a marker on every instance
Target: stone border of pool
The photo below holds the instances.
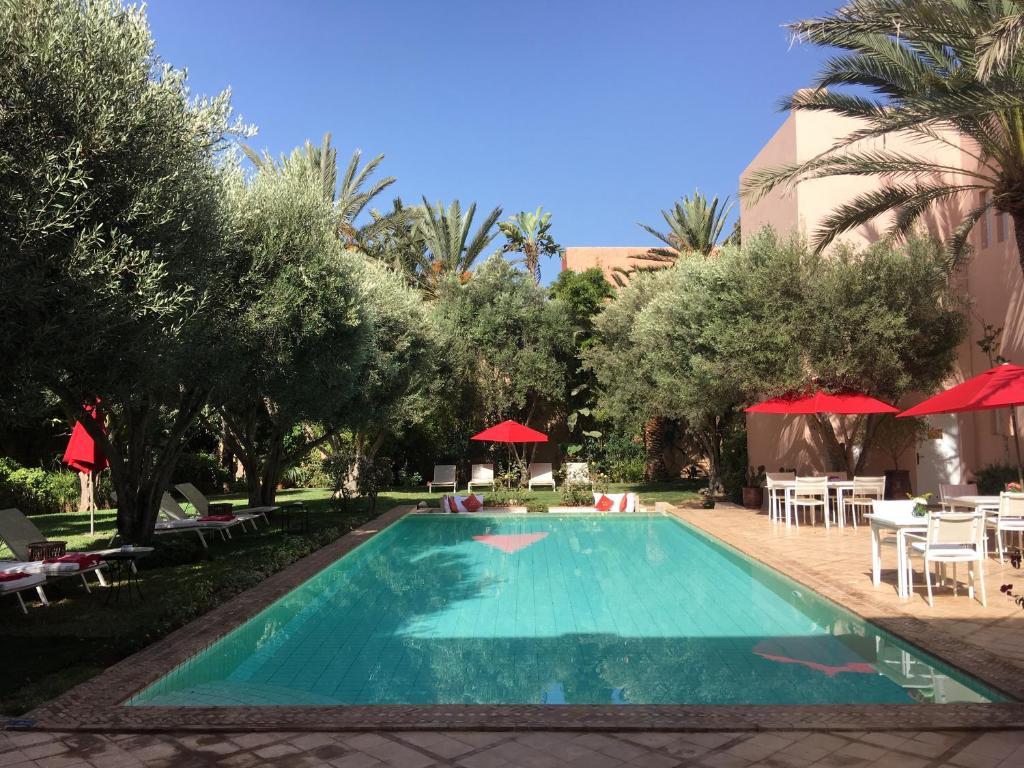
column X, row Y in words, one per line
column 96, row 704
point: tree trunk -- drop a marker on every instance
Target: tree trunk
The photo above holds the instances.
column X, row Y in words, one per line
column 654, row 450
column 837, row 457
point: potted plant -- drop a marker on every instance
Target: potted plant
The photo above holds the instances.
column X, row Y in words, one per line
column 753, row 490
column 921, row 504
column 707, row 497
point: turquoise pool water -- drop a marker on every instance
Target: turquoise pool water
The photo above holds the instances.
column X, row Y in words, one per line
column 554, row 609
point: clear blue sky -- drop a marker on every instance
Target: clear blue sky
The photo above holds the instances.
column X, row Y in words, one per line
column 603, row 112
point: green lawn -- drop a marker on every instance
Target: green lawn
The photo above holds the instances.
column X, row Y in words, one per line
column 53, row 649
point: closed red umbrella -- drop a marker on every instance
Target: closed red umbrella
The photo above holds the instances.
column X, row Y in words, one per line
column 999, row 387
column 823, row 402
column 85, row 456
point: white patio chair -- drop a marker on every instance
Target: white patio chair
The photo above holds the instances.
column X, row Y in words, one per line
column 776, row 494
column 948, row 491
column 179, row 521
column 577, row 473
column 1009, row 518
column 811, row 493
column 444, row 475
column 866, row 490
column 952, row 537
column 481, row 475
column 541, row 474
column 197, row 499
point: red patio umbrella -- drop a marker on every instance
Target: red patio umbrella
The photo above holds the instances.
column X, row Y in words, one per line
column 999, row 387
column 510, row 432
column 823, row 402
column 86, row 457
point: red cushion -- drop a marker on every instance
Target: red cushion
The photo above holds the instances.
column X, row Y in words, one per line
column 472, row 503
column 448, row 504
column 604, row 504
column 13, row 575
column 624, row 503
column 217, row 519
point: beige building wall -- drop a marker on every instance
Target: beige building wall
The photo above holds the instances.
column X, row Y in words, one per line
column 990, row 286
column 582, row 258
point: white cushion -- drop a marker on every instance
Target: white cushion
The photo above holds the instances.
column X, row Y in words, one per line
column 32, row 580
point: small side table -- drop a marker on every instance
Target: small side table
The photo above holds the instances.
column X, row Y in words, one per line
column 298, row 508
column 121, row 565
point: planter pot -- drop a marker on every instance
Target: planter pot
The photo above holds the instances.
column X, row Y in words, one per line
column 753, row 497
column 708, row 503
column 897, row 484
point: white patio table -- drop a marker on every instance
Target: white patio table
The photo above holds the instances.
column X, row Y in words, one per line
column 984, row 503
column 902, row 522
column 839, row 486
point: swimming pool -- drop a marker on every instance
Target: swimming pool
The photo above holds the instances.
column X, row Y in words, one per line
column 546, row 609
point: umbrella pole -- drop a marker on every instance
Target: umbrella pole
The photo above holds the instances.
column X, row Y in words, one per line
column 1016, row 443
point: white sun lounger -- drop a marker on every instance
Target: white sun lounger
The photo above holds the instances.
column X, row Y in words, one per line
column 577, row 473
column 196, row 498
column 482, row 475
column 18, row 532
column 541, row 474
column 444, row 475
column 177, row 520
column 31, row 581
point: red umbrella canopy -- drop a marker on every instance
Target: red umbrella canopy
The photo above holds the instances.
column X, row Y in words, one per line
column 823, row 402
column 511, row 432
column 999, row 387
column 82, row 453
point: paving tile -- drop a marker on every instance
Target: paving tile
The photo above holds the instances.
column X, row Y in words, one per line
column 356, row 760
column 760, row 746
column 436, row 743
column 654, row 760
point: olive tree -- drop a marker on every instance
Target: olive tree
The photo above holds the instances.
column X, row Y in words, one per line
column 112, row 279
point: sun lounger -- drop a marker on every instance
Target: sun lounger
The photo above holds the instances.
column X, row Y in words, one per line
column 196, row 498
column 177, row 520
column 444, row 475
column 577, row 473
column 541, row 474
column 14, row 581
column 18, row 532
column 482, row 475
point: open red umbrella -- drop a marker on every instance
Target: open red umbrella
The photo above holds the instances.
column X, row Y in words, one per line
column 823, row 402
column 999, row 387
column 510, row 432
column 85, row 456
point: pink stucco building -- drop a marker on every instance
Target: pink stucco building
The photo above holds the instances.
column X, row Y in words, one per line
column 608, row 259
column 990, row 285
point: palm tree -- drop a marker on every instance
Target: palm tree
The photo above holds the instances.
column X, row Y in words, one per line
column 929, row 68
column 349, row 198
column 451, row 246
column 695, row 225
column 529, row 234
column 394, row 238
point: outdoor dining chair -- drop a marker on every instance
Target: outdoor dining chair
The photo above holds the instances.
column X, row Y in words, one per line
column 948, row 491
column 866, row 490
column 776, row 493
column 481, row 475
column 444, row 475
column 952, row 538
column 811, row 493
column 1009, row 518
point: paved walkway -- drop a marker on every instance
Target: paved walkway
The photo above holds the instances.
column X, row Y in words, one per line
column 998, row 749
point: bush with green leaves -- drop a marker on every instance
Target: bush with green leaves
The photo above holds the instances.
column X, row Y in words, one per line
column 204, row 470
column 575, row 495
column 992, row 478
column 35, row 490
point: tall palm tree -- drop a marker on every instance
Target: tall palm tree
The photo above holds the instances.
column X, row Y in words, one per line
column 529, row 233
column 695, row 225
column 451, row 245
column 394, row 238
column 349, row 198
column 929, row 68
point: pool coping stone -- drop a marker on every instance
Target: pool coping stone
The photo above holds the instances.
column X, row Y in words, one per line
column 97, row 704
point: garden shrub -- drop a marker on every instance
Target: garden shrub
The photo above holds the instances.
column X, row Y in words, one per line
column 203, row 470
column 574, row 495
column 37, row 491
column 992, row 478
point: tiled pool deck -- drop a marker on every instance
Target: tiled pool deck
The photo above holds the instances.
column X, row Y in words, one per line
column 87, row 726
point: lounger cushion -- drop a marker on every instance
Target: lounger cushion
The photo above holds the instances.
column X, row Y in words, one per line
column 7, row 576
column 81, row 560
column 20, row 581
column 216, row 518
column 472, row 503
column 604, row 502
